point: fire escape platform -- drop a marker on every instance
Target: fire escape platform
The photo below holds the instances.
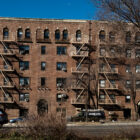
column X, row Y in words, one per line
column 75, row 70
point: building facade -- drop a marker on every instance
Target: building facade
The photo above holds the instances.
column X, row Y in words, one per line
column 63, row 66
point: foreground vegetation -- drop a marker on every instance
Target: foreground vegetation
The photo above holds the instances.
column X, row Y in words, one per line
column 51, row 127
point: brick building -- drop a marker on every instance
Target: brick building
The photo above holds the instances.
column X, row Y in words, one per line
column 44, row 62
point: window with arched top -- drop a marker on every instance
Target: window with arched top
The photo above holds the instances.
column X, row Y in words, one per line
column 19, row 33
column 5, row 33
column 65, row 34
column 57, row 34
column 46, row 34
column 102, row 35
column 137, row 37
column 112, row 36
column 78, row 35
column 128, row 37
column 27, row 33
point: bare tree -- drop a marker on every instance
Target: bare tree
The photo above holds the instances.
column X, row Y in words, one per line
column 119, row 10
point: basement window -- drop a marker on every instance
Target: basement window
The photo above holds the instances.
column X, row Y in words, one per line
column 24, row 65
column 24, row 97
column 62, row 66
column 127, row 98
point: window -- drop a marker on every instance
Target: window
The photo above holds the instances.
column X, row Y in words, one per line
column 57, row 34
column 128, row 37
column 137, row 83
column 102, row 52
column 128, row 53
column 102, row 96
column 113, row 67
column 19, row 33
column 127, row 98
column 112, row 36
column 128, row 68
column 61, row 50
column 78, row 35
column 112, row 83
column 5, row 33
column 65, row 34
column 61, row 82
column 43, row 81
column 24, row 50
column 43, row 65
column 43, row 49
column 128, row 84
column 62, row 66
column 137, row 37
column 112, row 97
column 27, row 33
column 62, row 111
column 24, row 97
column 137, row 68
column 112, row 50
column 24, row 65
column 102, row 35
column 46, row 34
column 102, row 83
column 61, row 97
column 102, row 67
column 24, row 81
column 137, row 53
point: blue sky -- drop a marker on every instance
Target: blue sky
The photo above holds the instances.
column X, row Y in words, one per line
column 58, row 9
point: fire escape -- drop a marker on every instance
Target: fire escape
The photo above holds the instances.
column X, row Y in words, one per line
column 80, row 71
column 107, row 82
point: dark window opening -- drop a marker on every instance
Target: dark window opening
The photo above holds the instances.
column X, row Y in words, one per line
column 23, row 112
column 61, row 82
column 43, row 49
column 65, row 34
column 24, row 65
column 78, row 35
column 46, row 34
column 61, row 50
column 127, row 98
column 102, row 35
column 5, row 33
column 24, row 97
column 43, row 65
column 27, row 33
column 62, row 66
column 19, row 33
column 24, row 50
column 24, row 81
column 127, row 113
column 43, row 81
column 57, row 34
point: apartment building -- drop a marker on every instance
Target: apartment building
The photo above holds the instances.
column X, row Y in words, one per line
column 51, row 65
